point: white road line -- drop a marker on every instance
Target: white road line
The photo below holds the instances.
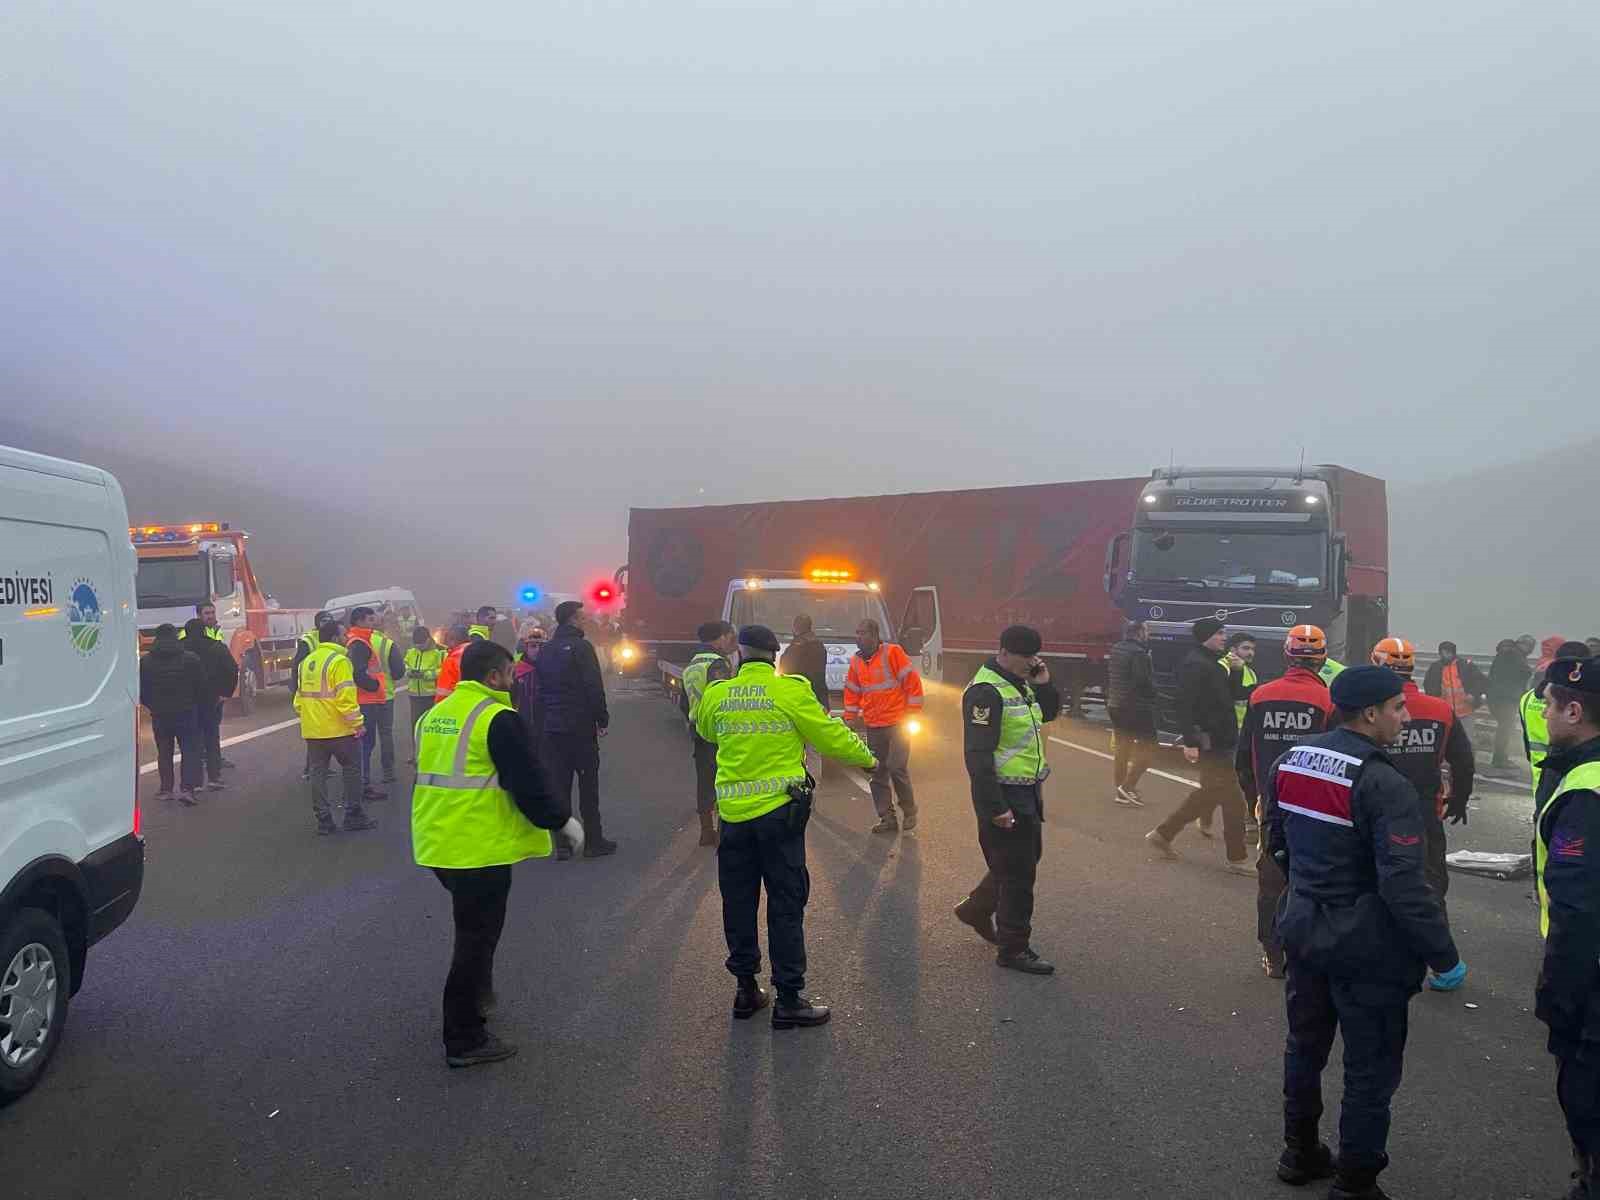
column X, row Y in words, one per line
column 233, row 741
column 1194, row 783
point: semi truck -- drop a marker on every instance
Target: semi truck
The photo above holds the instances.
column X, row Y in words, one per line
column 1074, row 560
column 206, row 562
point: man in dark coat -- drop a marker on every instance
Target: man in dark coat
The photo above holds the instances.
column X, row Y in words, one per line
column 572, row 694
column 1131, row 705
column 807, row 656
column 172, row 685
column 1508, row 679
column 221, row 677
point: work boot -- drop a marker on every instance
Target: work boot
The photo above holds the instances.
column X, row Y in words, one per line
column 749, row 999
column 886, row 825
column 708, row 829
column 970, row 914
column 1162, row 845
column 794, row 1011
column 599, row 848
column 1024, row 960
column 1358, row 1183
column 355, row 822
column 1304, row 1156
column 325, row 827
column 492, row 1050
column 908, row 819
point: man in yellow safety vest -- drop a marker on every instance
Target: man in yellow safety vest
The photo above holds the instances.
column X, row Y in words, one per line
column 331, row 723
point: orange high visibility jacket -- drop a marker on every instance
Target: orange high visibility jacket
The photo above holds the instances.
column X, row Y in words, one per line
column 449, row 672
column 881, row 689
column 373, row 672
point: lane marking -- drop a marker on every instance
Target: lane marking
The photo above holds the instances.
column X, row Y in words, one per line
column 150, row 768
column 1194, row 783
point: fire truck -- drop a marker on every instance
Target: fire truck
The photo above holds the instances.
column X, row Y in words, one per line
column 207, row 562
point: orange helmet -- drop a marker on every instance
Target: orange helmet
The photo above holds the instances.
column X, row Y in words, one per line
column 1399, row 655
column 1306, row 642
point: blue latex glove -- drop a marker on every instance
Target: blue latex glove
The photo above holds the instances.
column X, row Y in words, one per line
column 1450, row 980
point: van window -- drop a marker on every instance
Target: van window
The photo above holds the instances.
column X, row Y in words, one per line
column 222, row 575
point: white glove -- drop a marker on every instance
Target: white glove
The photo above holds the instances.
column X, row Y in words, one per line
column 573, row 832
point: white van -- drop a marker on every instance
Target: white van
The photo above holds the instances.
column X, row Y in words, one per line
column 383, row 601
column 71, row 851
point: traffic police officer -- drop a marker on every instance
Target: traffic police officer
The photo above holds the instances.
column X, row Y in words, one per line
column 718, row 640
column 1358, row 924
column 480, row 804
column 1003, row 712
column 1569, row 904
column 1281, row 714
column 1535, row 737
column 761, row 723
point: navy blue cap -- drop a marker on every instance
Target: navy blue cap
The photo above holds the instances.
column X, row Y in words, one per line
column 759, row 637
column 1575, row 674
column 1361, row 687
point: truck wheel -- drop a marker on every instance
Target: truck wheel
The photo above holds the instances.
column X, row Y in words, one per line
column 245, row 700
column 35, row 978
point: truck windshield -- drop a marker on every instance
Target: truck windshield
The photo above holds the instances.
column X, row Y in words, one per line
column 834, row 613
column 1231, row 558
column 173, row 582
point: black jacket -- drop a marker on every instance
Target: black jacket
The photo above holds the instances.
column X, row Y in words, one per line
column 1508, row 678
column 517, row 765
column 216, row 660
column 1471, row 679
column 171, row 680
column 980, row 720
column 1569, row 978
column 361, row 664
column 1347, row 829
column 1131, row 687
column 570, row 687
column 1205, row 703
column 808, row 657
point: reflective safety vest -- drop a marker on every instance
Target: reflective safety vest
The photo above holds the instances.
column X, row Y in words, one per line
column 422, row 669
column 1535, row 732
column 1330, row 669
column 325, row 694
column 449, row 672
column 460, row 815
column 212, row 631
column 1240, row 707
column 374, row 670
column 1020, row 756
column 1585, row 777
column 480, row 631
column 382, row 644
column 761, row 723
column 310, row 640
column 694, row 678
column 1454, row 693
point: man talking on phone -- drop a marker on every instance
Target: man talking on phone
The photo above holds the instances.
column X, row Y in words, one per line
column 1004, row 711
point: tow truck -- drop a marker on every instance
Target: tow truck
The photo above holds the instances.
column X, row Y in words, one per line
column 206, row 562
column 831, row 596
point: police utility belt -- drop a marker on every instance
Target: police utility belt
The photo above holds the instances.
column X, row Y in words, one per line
column 799, row 806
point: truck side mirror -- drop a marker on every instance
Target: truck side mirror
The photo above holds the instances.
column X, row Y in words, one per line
column 1341, row 565
column 913, row 640
column 1113, row 560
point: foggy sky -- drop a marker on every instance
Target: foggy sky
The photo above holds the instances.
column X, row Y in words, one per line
column 518, row 266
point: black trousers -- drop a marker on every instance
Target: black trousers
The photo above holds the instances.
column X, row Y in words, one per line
column 705, row 775
column 1372, row 1020
column 750, row 855
column 209, row 715
column 180, row 729
column 1270, row 886
column 1219, row 788
column 1006, row 889
column 419, row 707
column 569, row 754
column 478, row 903
column 1578, row 1089
column 1434, row 868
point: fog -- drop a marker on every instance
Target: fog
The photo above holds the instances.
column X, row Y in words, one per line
column 467, row 281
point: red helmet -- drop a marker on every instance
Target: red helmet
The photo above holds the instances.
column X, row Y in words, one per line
column 1306, row 643
column 1399, row 655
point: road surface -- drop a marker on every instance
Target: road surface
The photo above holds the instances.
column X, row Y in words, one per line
column 266, row 1024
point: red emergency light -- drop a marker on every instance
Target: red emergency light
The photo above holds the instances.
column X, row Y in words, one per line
column 603, row 594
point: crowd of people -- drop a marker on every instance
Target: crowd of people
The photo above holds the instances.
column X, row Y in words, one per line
column 184, row 681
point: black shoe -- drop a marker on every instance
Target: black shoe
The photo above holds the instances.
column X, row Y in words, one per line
column 983, row 923
column 355, row 824
column 749, row 1000
column 886, row 825
column 1357, row 1184
column 563, row 852
column 599, row 848
column 1298, row 1166
column 796, row 1012
column 492, row 1050
column 908, row 820
column 326, row 828
column 1024, row 960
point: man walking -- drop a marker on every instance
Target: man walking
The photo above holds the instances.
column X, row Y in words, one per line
column 221, row 676
column 718, row 640
column 480, row 805
column 573, row 695
column 1210, row 733
column 881, row 691
column 172, row 686
column 761, row 723
column 1569, row 903
column 327, row 699
column 1131, row 705
column 1003, row 714
column 1359, row 924
column 375, row 662
column 1282, row 714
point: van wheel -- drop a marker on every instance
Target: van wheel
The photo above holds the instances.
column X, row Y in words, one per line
column 35, row 978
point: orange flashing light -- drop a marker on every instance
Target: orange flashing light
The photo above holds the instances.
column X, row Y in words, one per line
column 830, row 575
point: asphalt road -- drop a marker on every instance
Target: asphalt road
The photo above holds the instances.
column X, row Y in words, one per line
column 266, row 1024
